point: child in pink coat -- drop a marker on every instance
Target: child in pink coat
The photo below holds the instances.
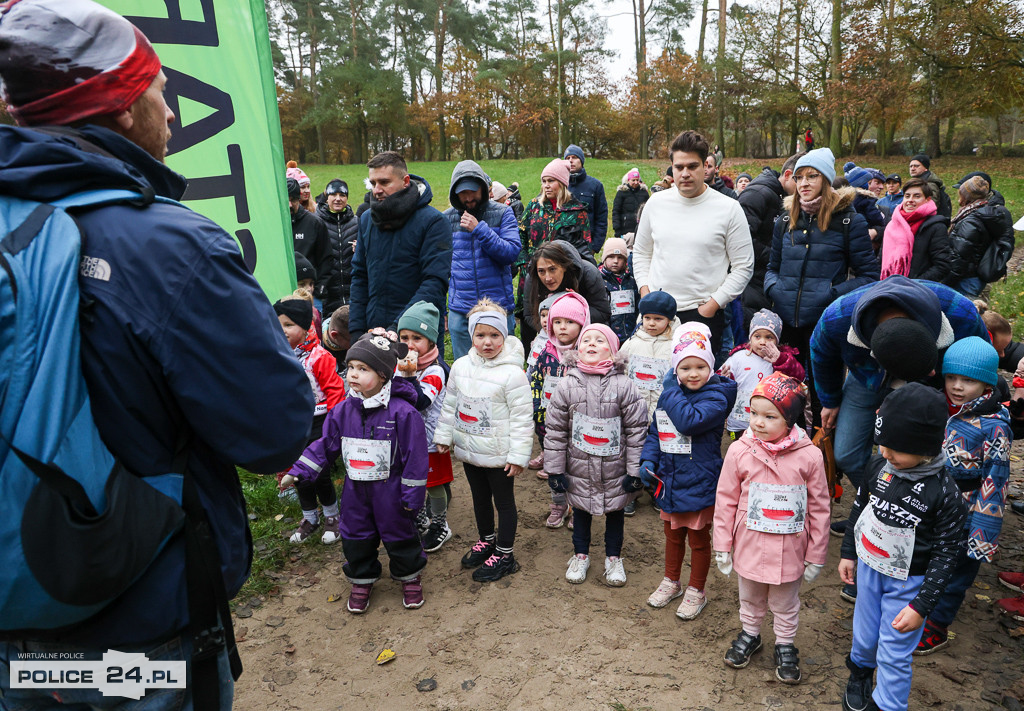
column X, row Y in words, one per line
column 771, row 521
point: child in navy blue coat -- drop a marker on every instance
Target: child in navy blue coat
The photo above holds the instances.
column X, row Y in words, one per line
column 682, row 459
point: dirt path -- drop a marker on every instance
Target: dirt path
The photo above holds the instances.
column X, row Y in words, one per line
column 533, row 641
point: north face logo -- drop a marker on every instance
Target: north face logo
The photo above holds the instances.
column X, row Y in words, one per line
column 94, row 268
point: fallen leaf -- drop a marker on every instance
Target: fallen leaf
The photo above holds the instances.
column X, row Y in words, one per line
column 290, row 649
column 275, row 621
column 386, row 656
column 982, row 586
column 983, row 598
column 427, row 684
column 278, row 517
column 243, row 612
column 240, row 634
column 334, row 598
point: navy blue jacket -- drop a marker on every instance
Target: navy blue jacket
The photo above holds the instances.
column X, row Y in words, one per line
column 622, row 324
column 392, row 269
column 481, row 259
column 590, row 192
column 808, row 267
column 179, row 341
column 690, row 480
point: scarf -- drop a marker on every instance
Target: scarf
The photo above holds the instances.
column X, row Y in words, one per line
column 602, row 367
column 921, row 471
column 898, row 242
column 811, row 207
column 381, row 399
column 395, row 210
column 557, row 349
column 427, row 359
column 303, row 350
column 773, row 448
column 955, row 410
column 967, row 210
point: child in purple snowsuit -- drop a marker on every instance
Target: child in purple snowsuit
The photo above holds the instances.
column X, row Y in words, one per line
column 382, row 439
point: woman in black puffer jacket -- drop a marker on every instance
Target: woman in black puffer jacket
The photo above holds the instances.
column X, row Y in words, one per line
column 981, row 221
column 343, row 229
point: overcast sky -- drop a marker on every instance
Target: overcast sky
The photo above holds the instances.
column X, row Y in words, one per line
column 619, row 16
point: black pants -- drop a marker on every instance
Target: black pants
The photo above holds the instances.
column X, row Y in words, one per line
column 615, row 523
column 800, row 338
column 320, row 489
column 526, row 334
column 716, row 323
column 493, row 489
column 406, row 559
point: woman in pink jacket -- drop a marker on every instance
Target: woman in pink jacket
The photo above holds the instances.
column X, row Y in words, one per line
column 771, row 521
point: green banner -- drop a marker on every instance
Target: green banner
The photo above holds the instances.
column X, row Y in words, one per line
column 227, row 137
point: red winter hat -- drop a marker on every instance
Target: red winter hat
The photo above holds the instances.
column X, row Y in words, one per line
column 784, row 392
column 62, row 62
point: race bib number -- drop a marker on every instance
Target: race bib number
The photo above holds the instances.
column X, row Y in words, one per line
column 366, row 459
column 648, row 373
column 550, row 384
column 598, row 436
column 883, row 548
column 776, row 508
column 669, row 439
column 623, row 302
column 473, row 415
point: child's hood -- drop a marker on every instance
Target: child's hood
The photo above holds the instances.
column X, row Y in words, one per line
column 511, row 354
column 665, row 335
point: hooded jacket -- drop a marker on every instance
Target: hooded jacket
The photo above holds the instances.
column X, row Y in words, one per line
column 487, row 414
column 590, row 192
column 761, row 201
column 970, row 237
column 808, row 268
column 342, row 230
column 591, row 288
column 158, row 327
column 772, row 558
column 719, row 185
column 595, row 482
column 627, row 201
column 403, row 255
column 841, row 338
column 941, row 198
column 482, row 259
column 688, row 481
column 310, row 239
column 647, row 354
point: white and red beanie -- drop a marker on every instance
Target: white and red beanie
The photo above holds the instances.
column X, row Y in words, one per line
column 693, row 338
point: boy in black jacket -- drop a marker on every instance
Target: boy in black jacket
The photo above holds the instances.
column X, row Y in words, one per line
column 905, row 534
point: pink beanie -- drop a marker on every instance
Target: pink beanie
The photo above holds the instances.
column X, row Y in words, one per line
column 693, row 338
column 634, row 173
column 572, row 306
column 613, row 340
column 298, row 175
column 615, row 245
column 557, row 169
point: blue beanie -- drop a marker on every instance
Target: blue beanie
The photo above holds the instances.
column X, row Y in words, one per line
column 859, row 177
column 822, row 160
column 972, row 357
column 659, row 302
column 848, row 166
column 574, row 150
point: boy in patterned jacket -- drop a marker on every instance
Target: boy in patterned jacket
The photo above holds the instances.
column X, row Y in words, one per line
column 622, row 289
column 977, row 451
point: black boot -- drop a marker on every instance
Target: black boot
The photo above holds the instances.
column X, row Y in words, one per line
column 858, row 688
column 787, row 664
column 743, row 647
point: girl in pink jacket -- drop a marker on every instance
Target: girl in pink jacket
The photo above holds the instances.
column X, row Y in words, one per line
column 771, row 521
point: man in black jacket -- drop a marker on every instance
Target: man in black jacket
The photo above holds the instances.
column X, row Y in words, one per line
column 714, row 180
column 921, row 167
column 342, row 229
column 762, row 204
column 310, row 239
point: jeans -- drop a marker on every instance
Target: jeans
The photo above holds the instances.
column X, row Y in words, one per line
column 177, row 649
column 462, row 341
column 855, row 428
column 949, row 603
column 970, row 287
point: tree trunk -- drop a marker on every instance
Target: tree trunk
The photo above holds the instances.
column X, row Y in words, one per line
column 720, row 77
column 691, row 109
column 836, row 134
column 641, row 74
column 950, row 128
column 794, row 125
column 440, row 32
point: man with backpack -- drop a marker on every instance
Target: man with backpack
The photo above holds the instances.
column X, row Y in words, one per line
column 181, row 356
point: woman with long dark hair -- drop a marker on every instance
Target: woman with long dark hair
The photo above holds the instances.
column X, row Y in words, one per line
column 556, row 267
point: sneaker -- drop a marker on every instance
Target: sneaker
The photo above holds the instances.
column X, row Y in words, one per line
column 849, row 593
column 857, row 696
column 667, row 592
column 742, row 649
column 1012, row 606
column 481, row 551
column 838, row 528
column 495, row 568
column 541, row 474
column 787, row 664
column 557, row 516
column 332, row 530
column 579, row 564
column 614, row 571
column 359, row 598
column 630, row 509
column 1014, row 581
column 304, row 531
column 412, row 593
column 423, row 521
column 693, row 602
column 537, row 462
column 934, row 638
column 437, row 535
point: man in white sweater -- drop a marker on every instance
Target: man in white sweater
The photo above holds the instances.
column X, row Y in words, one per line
column 693, row 242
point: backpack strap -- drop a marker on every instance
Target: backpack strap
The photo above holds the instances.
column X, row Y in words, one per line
column 22, row 235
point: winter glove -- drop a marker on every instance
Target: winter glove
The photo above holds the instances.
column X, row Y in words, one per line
column 724, row 562
column 632, row 483
column 558, row 483
column 647, row 473
column 811, row 571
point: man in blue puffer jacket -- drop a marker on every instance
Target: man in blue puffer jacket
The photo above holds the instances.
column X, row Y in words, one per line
column 485, row 243
column 589, row 191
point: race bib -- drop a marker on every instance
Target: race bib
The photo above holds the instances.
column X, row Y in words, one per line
column 595, row 435
column 538, row 345
column 669, row 439
column 739, row 418
column 776, row 508
column 366, row 459
column 550, row 384
column 648, row 373
column 473, row 415
column 623, row 302
column 883, row 548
